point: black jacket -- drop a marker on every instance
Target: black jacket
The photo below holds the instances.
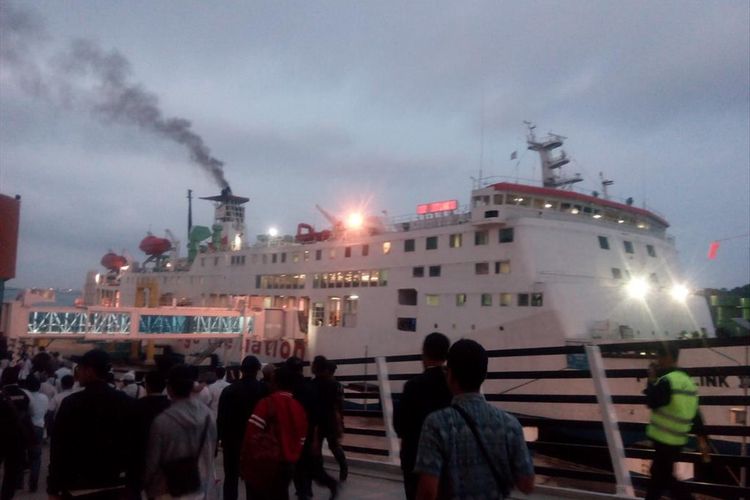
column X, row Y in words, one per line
column 422, row 395
column 236, row 404
column 93, row 440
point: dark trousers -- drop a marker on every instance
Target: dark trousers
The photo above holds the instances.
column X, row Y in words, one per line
column 35, row 459
column 662, row 477
column 278, row 491
column 411, row 480
column 334, row 444
column 232, row 474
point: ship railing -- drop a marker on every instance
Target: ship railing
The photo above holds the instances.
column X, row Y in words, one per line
column 411, row 222
column 369, row 432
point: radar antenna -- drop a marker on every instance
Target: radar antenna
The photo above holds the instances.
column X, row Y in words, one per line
column 551, row 164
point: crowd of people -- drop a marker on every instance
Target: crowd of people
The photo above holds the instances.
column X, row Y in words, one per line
column 161, row 436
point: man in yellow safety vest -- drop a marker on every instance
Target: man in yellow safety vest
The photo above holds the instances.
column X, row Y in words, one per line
column 673, row 399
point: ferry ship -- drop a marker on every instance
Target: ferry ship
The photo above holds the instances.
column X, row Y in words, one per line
column 520, row 266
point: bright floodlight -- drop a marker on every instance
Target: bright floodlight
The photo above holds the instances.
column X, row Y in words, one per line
column 638, row 288
column 354, row 221
column 679, row 292
column 273, row 232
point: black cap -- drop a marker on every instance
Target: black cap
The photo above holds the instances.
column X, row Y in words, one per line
column 250, row 364
column 96, row 359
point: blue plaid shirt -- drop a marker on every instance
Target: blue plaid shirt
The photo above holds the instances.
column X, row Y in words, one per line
column 448, row 449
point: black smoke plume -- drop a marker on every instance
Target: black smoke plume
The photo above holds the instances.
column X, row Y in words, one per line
column 100, row 80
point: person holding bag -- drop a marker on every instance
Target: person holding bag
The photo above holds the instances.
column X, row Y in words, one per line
column 182, row 444
column 273, row 441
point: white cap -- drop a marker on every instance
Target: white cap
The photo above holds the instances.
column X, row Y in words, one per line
column 129, row 376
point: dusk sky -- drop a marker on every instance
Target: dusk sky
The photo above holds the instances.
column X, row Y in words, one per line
column 379, row 104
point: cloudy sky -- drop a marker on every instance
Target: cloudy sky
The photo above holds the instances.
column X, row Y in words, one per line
column 371, row 103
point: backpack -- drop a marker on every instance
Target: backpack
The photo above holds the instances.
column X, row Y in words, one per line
column 21, row 403
column 261, row 458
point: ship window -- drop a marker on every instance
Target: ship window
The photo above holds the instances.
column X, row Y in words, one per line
column 306, row 256
column 283, row 257
column 365, row 250
column 488, row 214
column 265, row 258
column 332, row 253
column 460, row 299
column 295, row 257
column 406, row 324
column 498, row 199
column 455, row 240
column 481, row 237
column 431, row 243
column 318, row 314
column 486, row 299
column 407, row 296
column 502, row 267
column 375, row 277
column 409, row 245
column 616, row 273
column 316, row 281
column 432, row 299
column 651, row 250
column 505, row 235
column 347, row 251
column 216, row 261
column 628, row 246
column 386, row 247
column 523, row 299
column 417, row 272
column 274, row 257
column 434, row 271
column 603, row 243
column 536, row 300
column 506, row 299
column 203, row 261
column 538, row 203
column 383, row 280
column 350, row 311
column 334, row 311
column 482, row 268
column 318, row 254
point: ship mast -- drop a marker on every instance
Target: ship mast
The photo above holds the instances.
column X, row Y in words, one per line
column 551, row 176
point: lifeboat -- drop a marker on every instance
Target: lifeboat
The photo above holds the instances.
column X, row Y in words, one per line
column 113, row 262
column 152, row 245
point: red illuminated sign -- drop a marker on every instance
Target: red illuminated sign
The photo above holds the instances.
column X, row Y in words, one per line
column 437, row 206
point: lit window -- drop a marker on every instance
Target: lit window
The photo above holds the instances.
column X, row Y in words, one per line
column 482, row 268
column 332, row 253
column 502, row 267
column 306, row 255
column 628, row 246
column 295, row 257
column 486, row 299
column 651, row 250
column 460, row 299
column 417, row 272
column 434, row 271
column 506, row 299
column 603, row 243
column 455, row 240
column 523, row 299
column 616, row 273
column 386, row 247
column 365, row 250
column 432, row 299
column 505, row 235
column 536, row 300
column 347, row 251
column 480, row 237
column 409, row 245
column 431, row 243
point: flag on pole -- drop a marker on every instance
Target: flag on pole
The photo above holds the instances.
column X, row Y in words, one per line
column 713, row 249
column 514, row 155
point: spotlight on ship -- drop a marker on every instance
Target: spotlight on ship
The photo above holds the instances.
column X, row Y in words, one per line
column 638, row 288
column 273, row 232
column 679, row 292
column 354, row 221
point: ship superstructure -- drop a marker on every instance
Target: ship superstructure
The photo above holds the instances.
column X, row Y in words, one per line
column 521, row 265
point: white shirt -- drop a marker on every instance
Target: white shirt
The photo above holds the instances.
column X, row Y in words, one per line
column 215, row 390
column 48, row 389
column 59, row 374
column 54, row 404
column 38, row 405
column 134, row 390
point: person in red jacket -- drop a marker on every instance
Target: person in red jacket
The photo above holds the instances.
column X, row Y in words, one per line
column 289, row 423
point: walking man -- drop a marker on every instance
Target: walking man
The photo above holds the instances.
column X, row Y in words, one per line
column 92, row 440
column 421, row 396
column 673, row 399
column 236, row 404
column 471, row 449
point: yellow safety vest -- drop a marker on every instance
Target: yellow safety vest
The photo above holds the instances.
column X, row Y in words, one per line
column 671, row 424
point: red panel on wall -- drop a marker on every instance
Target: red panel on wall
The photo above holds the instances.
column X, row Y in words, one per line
column 437, row 206
column 9, row 211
